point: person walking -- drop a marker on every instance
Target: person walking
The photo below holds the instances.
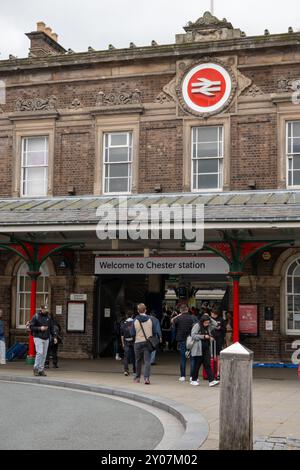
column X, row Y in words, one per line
column 127, row 340
column 219, row 334
column 2, row 341
column 201, row 335
column 156, row 332
column 166, row 329
column 143, row 330
column 184, row 323
column 41, row 327
column 117, row 339
column 53, row 344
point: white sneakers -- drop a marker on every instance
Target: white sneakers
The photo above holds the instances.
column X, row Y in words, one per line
column 196, row 383
column 118, row 358
column 214, row 383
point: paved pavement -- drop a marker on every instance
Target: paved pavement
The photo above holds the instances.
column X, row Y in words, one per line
column 66, row 420
column 275, row 392
column 276, row 443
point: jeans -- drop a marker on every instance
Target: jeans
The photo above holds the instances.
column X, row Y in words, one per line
column 153, row 356
column 2, row 352
column 182, row 350
column 41, row 348
column 142, row 352
column 192, row 365
column 129, row 357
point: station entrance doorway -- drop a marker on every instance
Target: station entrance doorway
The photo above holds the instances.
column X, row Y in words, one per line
column 115, row 296
column 119, row 294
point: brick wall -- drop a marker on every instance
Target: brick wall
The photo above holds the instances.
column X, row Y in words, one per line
column 6, row 163
column 254, row 152
column 74, row 161
column 161, row 157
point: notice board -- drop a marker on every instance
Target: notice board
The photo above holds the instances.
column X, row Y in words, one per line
column 76, row 314
column 248, row 319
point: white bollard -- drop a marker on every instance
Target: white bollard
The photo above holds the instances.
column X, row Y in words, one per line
column 236, row 413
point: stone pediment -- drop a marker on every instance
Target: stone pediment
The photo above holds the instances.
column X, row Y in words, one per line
column 208, row 28
column 208, row 21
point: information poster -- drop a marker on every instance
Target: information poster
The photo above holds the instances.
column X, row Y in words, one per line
column 249, row 320
column 76, row 317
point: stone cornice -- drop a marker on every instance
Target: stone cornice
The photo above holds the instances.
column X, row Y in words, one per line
column 175, row 51
column 24, row 115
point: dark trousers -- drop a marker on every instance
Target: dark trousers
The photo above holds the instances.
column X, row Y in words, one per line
column 129, row 356
column 52, row 352
column 166, row 338
column 142, row 352
column 197, row 363
column 182, row 350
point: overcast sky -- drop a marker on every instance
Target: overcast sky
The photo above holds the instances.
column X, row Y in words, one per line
column 97, row 23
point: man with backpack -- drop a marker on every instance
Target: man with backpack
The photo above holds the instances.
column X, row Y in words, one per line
column 127, row 340
column 41, row 327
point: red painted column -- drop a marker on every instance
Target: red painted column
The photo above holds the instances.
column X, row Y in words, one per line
column 236, row 308
column 31, row 349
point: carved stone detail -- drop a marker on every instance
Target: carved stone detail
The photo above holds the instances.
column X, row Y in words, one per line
column 208, row 20
column 285, row 85
column 163, row 98
column 76, row 103
column 254, row 91
column 117, row 99
column 168, row 94
column 36, row 104
column 243, row 83
column 208, row 28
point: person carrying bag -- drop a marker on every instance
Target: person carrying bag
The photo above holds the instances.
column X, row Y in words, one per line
column 144, row 343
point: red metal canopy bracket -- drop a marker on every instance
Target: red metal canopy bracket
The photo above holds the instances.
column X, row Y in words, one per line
column 35, row 254
column 236, row 253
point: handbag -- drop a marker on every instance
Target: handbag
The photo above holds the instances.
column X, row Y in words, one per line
column 189, row 343
column 152, row 341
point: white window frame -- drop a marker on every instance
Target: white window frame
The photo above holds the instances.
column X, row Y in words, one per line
column 287, row 294
column 289, row 156
column 20, row 275
column 130, row 146
column 220, row 158
column 24, row 167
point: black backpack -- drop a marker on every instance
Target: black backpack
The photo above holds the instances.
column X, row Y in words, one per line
column 128, row 332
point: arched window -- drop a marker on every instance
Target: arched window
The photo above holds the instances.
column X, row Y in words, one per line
column 293, row 298
column 23, row 293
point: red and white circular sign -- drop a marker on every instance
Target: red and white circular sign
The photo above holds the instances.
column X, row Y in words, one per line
column 206, row 88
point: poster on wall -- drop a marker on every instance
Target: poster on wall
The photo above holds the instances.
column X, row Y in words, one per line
column 249, row 319
column 76, row 317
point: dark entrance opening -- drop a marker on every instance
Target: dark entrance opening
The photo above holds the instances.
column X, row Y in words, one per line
column 115, row 295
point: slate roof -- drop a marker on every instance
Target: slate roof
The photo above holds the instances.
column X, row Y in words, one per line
column 254, row 206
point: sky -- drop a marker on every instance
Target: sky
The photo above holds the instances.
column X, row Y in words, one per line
column 97, row 23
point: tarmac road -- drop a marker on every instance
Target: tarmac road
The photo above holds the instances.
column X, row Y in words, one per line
column 36, row 418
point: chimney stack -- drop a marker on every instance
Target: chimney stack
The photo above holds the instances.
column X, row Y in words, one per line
column 44, row 41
